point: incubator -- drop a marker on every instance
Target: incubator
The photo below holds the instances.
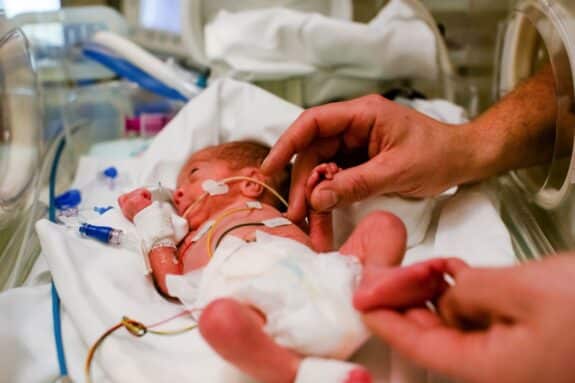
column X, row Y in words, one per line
column 99, row 117
column 539, row 203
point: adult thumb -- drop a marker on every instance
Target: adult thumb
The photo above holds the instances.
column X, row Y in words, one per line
column 348, row 186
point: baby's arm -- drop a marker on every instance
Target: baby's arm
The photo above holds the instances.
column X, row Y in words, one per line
column 163, row 259
column 320, row 223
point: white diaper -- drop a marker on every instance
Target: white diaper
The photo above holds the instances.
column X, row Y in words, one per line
column 306, row 297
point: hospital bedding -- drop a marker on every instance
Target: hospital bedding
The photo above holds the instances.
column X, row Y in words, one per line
column 99, row 284
column 338, row 59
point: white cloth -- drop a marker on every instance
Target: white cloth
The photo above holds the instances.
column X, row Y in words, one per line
column 313, row 370
column 157, row 222
column 279, row 43
column 415, row 214
column 306, row 297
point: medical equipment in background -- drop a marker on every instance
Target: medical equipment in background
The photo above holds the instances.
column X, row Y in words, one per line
column 538, row 204
column 184, row 36
column 176, row 27
column 85, row 104
column 188, row 84
column 470, row 30
column 56, row 39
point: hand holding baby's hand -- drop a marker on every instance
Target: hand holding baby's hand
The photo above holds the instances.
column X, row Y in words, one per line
column 320, row 173
column 135, row 201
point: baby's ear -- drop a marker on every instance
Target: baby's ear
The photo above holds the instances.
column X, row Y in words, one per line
column 250, row 188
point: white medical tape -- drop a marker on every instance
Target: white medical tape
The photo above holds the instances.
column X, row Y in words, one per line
column 276, row 222
column 314, row 370
column 213, row 187
column 203, row 230
column 154, row 223
column 161, row 193
column 254, row 205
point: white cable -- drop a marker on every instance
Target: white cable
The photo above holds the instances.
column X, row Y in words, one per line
column 145, row 61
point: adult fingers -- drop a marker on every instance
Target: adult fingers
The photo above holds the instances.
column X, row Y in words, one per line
column 482, row 296
column 406, row 287
column 423, row 317
column 349, row 185
column 324, row 121
column 431, row 345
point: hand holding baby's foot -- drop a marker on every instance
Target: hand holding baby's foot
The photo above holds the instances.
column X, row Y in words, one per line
column 133, row 202
column 321, row 172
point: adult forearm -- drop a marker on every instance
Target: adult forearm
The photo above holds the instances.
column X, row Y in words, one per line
column 518, row 131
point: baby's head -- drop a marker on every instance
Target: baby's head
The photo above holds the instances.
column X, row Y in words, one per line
column 237, row 158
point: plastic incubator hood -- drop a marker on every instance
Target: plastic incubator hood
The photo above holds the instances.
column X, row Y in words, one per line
column 20, row 124
column 541, row 32
column 538, row 204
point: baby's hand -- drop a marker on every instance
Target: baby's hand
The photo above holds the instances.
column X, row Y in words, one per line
column 321, row 172
column 135, row 201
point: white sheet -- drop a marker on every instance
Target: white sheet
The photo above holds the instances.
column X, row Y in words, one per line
column 279, row 43
column 99, row 284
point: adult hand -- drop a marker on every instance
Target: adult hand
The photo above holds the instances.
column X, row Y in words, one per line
column 494, row 325
column 409, row 153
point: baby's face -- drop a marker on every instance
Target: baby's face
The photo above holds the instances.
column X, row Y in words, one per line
column 200, row 167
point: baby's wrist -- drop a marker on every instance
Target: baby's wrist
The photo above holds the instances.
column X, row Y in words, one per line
column 163, row 253
column 164, row 243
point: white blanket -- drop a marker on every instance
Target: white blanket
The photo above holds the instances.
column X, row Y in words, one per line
column 99, row 284
column 336, row 56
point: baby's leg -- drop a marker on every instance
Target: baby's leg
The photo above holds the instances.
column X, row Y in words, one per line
column 379, row 242
column 235, row 332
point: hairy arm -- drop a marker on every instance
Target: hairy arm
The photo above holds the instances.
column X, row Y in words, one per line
column 516, row 132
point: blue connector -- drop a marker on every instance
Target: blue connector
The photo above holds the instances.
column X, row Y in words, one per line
column 110, row 172
column 103, row 234
column 102, row 209
column 68, row 200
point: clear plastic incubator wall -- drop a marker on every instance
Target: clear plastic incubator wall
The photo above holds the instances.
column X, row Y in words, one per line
column 538, row 204
column 50, row 91
column 53, row 92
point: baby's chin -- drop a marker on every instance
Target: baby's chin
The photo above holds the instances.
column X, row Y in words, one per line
column 196, row 219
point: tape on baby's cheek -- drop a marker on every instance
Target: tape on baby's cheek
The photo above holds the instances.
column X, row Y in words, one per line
column 213, row 187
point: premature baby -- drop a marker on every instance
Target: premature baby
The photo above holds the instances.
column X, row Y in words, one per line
column 267, row 298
